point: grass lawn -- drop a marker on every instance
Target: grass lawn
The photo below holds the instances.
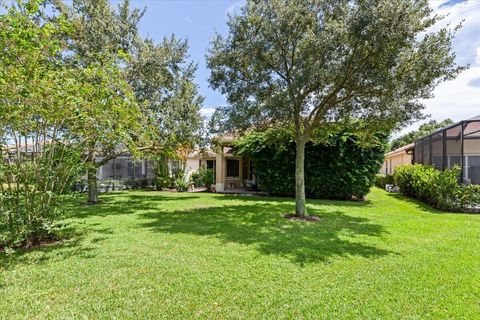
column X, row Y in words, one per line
column 144, row 255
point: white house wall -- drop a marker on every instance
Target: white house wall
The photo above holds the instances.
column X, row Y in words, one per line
column 192, row 165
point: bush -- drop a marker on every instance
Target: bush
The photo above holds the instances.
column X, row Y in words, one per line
column 33, row 191
column 469, row 198
column 440, row 189
column 381, row 180
column 162, row 178
column 141, row 183
column 182, row 184
column 203, row 178
column 337, row 167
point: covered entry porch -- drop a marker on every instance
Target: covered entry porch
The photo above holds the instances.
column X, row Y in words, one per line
column 233, row 173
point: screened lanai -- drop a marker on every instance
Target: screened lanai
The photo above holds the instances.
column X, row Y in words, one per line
column 458, row 144
column 125, row 168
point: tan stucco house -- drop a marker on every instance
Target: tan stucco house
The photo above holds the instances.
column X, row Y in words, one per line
column 231, row 171
column 398, row 157
column 455, row 145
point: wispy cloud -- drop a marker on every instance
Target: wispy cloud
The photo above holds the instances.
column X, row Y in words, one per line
column 459, row 99
column 477, row 57
column 234, row 7
column 207, row 112
column 188, row 19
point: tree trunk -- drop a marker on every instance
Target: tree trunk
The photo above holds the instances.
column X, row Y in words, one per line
column 300, row 199
column 92, row 182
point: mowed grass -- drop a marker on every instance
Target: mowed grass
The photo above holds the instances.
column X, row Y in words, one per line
column 151, row 255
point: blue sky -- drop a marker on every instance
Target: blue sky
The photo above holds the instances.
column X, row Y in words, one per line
column 197, row 21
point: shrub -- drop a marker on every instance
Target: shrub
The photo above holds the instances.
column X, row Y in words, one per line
column 469, row 198
column 337, row 166
column 209, row 178
column 182, row 184
column 162, row 178
column 437, row 188
column 381, row 180
column 203, row 178
column 33, row 190
column 141, row 183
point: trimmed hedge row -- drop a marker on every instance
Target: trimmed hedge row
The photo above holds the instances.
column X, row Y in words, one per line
column 437, row 188
column 338, row 167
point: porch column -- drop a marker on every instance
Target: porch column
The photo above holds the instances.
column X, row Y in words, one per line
column 220, row 172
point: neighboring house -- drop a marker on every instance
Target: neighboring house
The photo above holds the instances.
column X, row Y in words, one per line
column 458, row 144
column 398, row 157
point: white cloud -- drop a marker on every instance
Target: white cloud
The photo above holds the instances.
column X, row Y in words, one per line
column 207, row 112
column 459, row 99
column 234, row 7
column 477, row 58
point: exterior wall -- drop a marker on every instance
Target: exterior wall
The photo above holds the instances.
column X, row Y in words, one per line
column 223, row 181
column 125, row 168
column 192, row 165
column 472, row 147
column 395, row 160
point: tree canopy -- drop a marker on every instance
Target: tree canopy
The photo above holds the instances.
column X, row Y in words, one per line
column 160, row 77
column 308, row 63
column 49, row 111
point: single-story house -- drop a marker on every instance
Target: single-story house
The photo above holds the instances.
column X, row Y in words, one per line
column 231, row 171
column 458, row 144
column 398, row 157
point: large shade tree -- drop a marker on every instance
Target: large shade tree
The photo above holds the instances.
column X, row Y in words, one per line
column 160, row 76
column 50, row 111
column 306, row 63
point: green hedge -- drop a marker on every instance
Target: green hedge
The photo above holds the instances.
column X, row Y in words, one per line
column 381, row 180
column 336, row 167
column 437, row 188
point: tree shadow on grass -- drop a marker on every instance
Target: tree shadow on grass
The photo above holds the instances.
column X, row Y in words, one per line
column 57, row 251
column 71, row 244
column 261, row 225
column 328, row 202
column 120, row 203
column 417, row 204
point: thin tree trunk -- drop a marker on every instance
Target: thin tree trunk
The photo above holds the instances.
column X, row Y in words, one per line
column 92, row 181
column 300, row 199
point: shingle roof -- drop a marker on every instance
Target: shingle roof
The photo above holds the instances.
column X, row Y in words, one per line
column 402, row 149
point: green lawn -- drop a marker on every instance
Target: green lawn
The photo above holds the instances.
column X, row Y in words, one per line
column 144, row 255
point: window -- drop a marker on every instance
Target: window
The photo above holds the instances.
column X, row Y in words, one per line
column 233, row 168
column 473, row 169
column 210, row 164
